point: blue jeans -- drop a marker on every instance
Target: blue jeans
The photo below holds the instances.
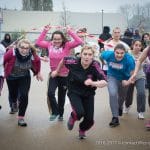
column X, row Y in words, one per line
column 117, row 95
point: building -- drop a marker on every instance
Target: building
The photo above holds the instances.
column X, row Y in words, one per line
column 14, row 21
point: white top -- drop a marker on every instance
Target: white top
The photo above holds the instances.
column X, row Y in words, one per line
column 2, row 52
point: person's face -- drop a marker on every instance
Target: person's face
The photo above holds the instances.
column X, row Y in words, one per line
column 146, row 37
column 137, row 46
column 119, row 54
column 57, row 40
column 82, row 35
column 116, row 34
column 86, row 57
column 7, row 37
column 24, row 49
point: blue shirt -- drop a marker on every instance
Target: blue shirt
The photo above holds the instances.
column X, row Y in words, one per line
column 119, row 69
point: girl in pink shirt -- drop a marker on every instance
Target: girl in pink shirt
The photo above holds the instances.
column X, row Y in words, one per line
column 58, row 47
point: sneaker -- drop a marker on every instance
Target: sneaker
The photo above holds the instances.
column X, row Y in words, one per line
column 15, row 107
column 147, row 125
column 126, row 110
column 52, row 117
column 22, row 123
column 70, row 123
column 114, row 122
column 60, row 118
column 82, row 134
column 120, row 112
column 12, row 111
column 141, row 115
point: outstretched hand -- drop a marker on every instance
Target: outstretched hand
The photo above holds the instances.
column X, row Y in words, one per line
column 132, row 78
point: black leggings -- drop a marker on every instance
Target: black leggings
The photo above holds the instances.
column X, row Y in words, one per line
column 21, row 86
column 83, row 106
column 61, row 84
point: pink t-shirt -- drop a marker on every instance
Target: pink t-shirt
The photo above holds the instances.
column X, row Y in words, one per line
column 57, row 54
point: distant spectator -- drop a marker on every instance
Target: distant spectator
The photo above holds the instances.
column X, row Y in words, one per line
column 82, row 34
column 136, row 35
column 145, row 39
column 7, row 41
column 104, row 36
column 127, row 37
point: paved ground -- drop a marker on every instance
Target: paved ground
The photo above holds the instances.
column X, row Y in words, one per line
column 41, row 134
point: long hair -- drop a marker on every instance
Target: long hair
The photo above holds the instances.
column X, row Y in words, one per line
column 26, row 41
column 64, row 39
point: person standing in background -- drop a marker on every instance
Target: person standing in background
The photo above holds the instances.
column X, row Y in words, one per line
column 104, row 36
column 7, row 41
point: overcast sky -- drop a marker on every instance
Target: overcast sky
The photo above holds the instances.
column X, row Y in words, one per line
column 78, row 5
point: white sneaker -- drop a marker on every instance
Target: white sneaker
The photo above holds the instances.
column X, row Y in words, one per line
column 141, row 115
column 126, row 110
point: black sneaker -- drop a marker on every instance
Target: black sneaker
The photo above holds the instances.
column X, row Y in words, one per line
column 60, row 118
column 120, row 112
column 22, row 123
column 114, row 122
column 12, row 111
column 15, row 107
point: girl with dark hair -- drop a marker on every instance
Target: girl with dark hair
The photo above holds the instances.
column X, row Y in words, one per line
column 120, row 66
column 142, row 58
column 145, row 40
column 58, row 48
column 139, row 84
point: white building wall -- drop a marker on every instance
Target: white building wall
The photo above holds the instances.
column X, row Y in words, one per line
column 27, row 20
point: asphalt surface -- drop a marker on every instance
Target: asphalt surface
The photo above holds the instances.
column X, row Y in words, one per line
column 41, row 134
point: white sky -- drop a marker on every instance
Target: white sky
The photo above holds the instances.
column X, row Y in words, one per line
column 78, row 5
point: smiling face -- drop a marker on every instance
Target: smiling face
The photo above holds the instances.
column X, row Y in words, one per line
column 24, row 47
column 119, row 54
column 87, row 55
column 57, row 40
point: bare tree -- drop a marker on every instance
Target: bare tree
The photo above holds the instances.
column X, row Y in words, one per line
column 64, row 16
column 126, row 10
column 38, row 5
column 137, row 16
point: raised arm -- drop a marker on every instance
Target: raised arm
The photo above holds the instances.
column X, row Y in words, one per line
column 41, row 39
column 76, row 39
